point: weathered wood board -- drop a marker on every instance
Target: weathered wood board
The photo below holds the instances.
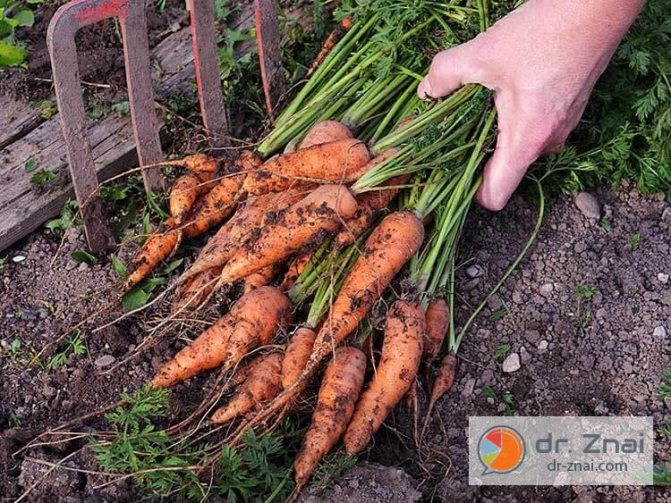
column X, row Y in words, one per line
column 24, row 135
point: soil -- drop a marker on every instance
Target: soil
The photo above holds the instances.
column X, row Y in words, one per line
column 99, row 48
column 597, row 356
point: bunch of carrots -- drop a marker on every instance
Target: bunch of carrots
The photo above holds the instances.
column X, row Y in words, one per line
column 355, row 199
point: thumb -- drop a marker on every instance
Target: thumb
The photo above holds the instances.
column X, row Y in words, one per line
column 517, row 147
column 449, row 70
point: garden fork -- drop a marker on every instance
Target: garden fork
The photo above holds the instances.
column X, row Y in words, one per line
column 76, row 14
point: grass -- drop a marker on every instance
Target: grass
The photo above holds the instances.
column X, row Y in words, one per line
column 634, row 241
column 584, row 292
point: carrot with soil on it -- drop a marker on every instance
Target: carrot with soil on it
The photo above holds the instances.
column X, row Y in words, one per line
column 251, row 323
column 369, row 205
column 260, row 278
column 262, row 383
column 334, row 37
column 388, row 248
column 338, row 393
column 296, row 355
column 155, row 250
column 248, row 160
column 325, row 132
column 321, row 212
column 334, row 162
column 437, row 323
column 183, row 195
column 401, row 355
column 214, row 207
column 443, row 382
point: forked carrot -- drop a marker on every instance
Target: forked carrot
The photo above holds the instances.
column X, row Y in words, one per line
column 394, row 375
column 251, row 322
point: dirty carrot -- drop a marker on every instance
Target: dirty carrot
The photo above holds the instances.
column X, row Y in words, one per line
column 156, row 249
column 437, row 323
column 183, row 195
column 296, row 355
column 337, row 396
column 386, row 251
column 334, row 37
column 213, row 207
column 259, row 278
column 325, row 132
column 333, row 162
column 369, row 204
column 261, row 384
column 444, row 380
column 322, row 211
column 250, row 323
column 394, row 375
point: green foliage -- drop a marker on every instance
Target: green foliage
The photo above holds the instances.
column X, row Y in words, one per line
column 168, row 469
column 14, row 14
column 501, row 351
column 625, row 130
column 634, row 240
column 332, row 466
column 664, row 391
column 82, row 256
column 73, row 346
column 584, row 292
column 69, row 217
column 47, row 108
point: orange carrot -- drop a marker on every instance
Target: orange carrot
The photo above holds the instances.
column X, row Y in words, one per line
column 386, row 251
column 338, row 393
column 333, row 162
column 235, row 231
column 194, row 290
column 183, row 194
column 444, row 380
column 401, row 356
column 296, row 355
column 201, row 165
column 213, row 207
column 155, row 250
column 325, row 132
column 250, row 323
column 247, row 161
column 437, row 323
column 259, row 278
column 303, row 223
column 334, row 37
column 389, row 247
column 262, row 384
column 369, row 204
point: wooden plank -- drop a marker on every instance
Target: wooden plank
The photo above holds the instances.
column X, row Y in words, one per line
column 16, row 120
column 22, row 208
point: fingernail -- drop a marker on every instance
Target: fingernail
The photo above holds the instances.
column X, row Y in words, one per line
column 425, row 89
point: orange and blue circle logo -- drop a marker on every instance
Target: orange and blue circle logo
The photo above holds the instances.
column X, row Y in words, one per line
column 501, row 449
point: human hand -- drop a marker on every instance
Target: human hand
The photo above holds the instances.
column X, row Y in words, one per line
column 542, row 61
